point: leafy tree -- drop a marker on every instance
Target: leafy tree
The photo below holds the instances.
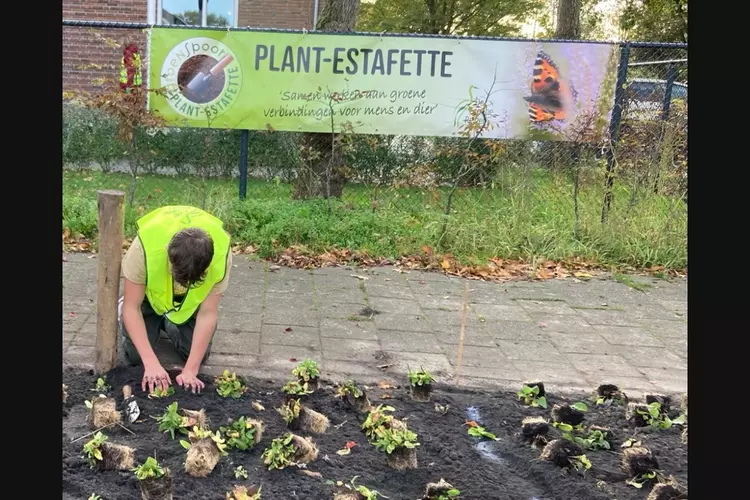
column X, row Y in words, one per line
column 655, row 20
column 193, row 17
column 447, row 17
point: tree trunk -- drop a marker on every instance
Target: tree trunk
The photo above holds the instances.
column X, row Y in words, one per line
column 323, row 174
column 568, row 20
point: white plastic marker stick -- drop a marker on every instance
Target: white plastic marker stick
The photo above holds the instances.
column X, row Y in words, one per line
column 131, row 409
column 201, row 81
column 464, row 314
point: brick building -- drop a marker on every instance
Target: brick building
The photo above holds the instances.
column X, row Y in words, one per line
column 89, row 54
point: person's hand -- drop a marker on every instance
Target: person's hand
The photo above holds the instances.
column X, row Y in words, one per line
column 154, row 376
column 189, row 380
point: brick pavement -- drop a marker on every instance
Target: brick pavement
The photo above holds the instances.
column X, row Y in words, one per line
column 572, row 335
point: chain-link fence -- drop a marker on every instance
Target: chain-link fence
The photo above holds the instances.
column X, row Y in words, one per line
column 621, row 197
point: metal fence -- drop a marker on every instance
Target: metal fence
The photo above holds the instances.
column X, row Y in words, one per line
column 634, row 176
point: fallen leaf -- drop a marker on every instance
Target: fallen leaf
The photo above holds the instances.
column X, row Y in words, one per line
column 422, row 282
column 543, row 274
column 359, row 277
column 73, row 314
column 542, row 324
column 351, row 444
column 386, row 396
column 293, row 360
column 385, row 385
column 288, row 329
column 344, row 451
column 274, row 268
column 445, row 264
column 257, row 406
column 471, row 423
column 582, row 275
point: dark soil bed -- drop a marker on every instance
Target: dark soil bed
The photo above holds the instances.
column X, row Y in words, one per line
column 481, row 469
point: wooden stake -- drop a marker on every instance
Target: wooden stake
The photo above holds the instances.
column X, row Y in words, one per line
column 464, row 314
column 111, row 235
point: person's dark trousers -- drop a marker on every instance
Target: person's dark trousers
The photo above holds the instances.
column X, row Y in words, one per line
column 181, row 336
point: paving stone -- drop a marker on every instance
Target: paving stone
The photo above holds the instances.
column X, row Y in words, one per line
column 517, row 330
column 223, row 361
column 241, row 322
column 341, row 371
column 351, row 350
column 503, row 371
column 83, row 340
column 243, row 343
column 410, row 341
column 235, row 305
column 73, row 323
column 440, row 302
column 398, row 291
column 545, row 307
column 290, row 301
column 602, row 365
column 562, row 324
column 633, row 387
column 394, row 306
column 473, row 335
column 443, row 287
column 340, row 310
column 558, row 370
column 678, row 346
column 403, row 322
column 447, row 320
column 590, row 343
column 297, row 286
column 628, row 335
column 477, row 356
column 650, row 357
column 347, row 329
column 675, row 306
column 298, row 336
column 528, row 350
column 401, row 362
column 291, row 317
column 664, row 329
column 614, row 318
column 667, row 380
column 274, row 352
column 80, row 356
column 500, row 312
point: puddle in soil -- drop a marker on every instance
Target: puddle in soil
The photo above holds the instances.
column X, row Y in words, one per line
column 485, row 448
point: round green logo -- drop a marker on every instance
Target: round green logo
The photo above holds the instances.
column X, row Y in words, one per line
column 202, row 78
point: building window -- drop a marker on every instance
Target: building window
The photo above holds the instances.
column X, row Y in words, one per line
column 191, row 12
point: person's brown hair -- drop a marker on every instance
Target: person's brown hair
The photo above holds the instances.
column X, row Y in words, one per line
column 190, row 253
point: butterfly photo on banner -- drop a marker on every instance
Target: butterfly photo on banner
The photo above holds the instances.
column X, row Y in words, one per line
column 551, row 96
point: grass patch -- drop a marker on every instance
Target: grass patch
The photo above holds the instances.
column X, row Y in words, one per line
column 528, row 219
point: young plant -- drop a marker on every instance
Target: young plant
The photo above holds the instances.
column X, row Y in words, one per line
column 354, row 397
column 205, row 449
column 656, row 418
column 240, row 472
column 280, row 454
column 420, row 384
column 530, row 396
column 442, row 490
column 349, row 389
column 201, row 433
column 364, row 492
column 172, row 421
column 580, row 463
column 94, row 496
column 376, row 419
column 101, row 385
column 229, row 385
column 150, row 469
column 242, row 434
column 296, row 388
column 477, row 430
column 93, row 449
column 307, row 371
column 389, row 440
column 290, row 411
column 608, row 394
column 596, row 439
column 158, row 392
column 244, row 493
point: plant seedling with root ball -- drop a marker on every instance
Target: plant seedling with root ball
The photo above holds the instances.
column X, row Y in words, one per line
column 399, row 445
column 158, row 392
column 442, row 490
column 566, row 454
column 598, row 438
column 230, row 385
column 103, row 412
column 101, row 386
column 569, row 414
column 308, row 372
column 352, row 491
column 244, row 493
column 667, row 491
column 171, row 420
column 420, row 384
column 108, row 456
column 640, row 465
column 299, row 417
column 240, row 472
column 296, row 389
column 155, row 481
column 205, row 449
column 289, row 449
column 477, row 430
column 608, row 394
column 243, row 433
column 377, row 417
column 651, row 415
column 354, row 396
column 535, row 430
column 533, row 395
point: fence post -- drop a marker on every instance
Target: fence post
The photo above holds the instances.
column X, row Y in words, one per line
column 111, row 235
column 667, row 103
column 244, row 139
column 614, row 127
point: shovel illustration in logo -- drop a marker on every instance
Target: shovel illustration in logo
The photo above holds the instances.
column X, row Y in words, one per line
column 201, row 82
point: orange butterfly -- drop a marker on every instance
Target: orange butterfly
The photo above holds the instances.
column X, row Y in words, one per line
column 550, row 96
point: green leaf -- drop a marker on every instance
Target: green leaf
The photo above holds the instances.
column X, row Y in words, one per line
column 185, row 444
column 542, row 402
column 580, row 406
